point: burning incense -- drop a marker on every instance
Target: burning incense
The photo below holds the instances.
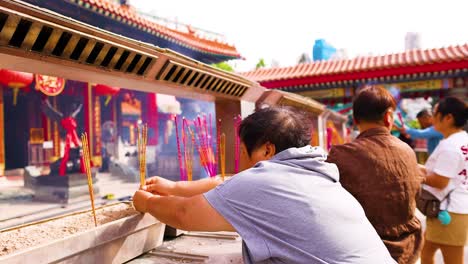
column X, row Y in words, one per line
column 237, row 121
column 218, row 138
column 189, row 161
column 87, row 165
column 139, row 152
column 203, row 145
column 188, row 149
column 210, row 144
column 142, row 142
column 145, row 143
column 179, row 154
column 222, row 154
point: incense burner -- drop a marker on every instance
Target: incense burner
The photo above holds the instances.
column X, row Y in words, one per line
column 122, row 234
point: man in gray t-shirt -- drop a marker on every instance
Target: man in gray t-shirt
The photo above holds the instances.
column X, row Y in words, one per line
column 287, row 203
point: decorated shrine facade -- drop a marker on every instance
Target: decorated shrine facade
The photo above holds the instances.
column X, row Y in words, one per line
column 29, row 136
column 415, row 73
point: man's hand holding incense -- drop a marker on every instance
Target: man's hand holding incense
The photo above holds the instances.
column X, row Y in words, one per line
column 160, row 186
column 140, row 201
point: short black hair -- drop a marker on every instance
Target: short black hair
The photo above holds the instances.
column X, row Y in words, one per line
column 284, row 127
column 423, row 113
column 456, row 107
column 371, row 103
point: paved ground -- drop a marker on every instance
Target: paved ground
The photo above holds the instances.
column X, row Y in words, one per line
column 23, row 210
column 196, row 247
column 20, row 208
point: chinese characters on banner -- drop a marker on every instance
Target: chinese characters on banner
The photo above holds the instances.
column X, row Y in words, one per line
column 49, row 85
column 97, row 126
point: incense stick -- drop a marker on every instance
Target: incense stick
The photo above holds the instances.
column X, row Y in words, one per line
column 218, row 138
column 210, row 152
column 139, row 153
column 199, row 146
column 185, row 140
column 87, row 165
column 237, row 121
column 142, row 142
column 190, row 156
column 179, row 154
column 222, row 154
column 144, row 152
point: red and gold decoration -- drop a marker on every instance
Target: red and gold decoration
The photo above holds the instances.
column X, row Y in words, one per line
column 97, row 131
column 49, row 85
column 95, row 93
column 92, row 111
column 56, row 135
column 69, row 124
column 105, row 90
column 16, row 80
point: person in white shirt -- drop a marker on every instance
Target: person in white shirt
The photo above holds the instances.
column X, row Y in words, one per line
column 447, row 178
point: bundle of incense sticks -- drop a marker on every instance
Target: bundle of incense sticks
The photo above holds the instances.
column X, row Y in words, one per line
column 222, row 155
column 205, row 146
column 237, row 122
column 200, row 138
column 142, row 142
column 187, row 141
column 87, row 165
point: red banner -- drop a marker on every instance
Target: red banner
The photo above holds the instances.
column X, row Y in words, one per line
column 97, row 126
column 49, row 85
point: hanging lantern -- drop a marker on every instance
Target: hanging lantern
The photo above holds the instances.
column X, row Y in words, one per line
column 49, row 85
column 16, row 80
column 105, row 90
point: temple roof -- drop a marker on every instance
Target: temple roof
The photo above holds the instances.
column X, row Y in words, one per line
column 413, row 63
column 111, row 16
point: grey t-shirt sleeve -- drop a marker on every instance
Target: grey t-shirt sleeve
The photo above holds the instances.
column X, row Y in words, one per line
column 233, row 200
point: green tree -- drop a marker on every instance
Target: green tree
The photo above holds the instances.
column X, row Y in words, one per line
column 260, row 64
column 223, row 66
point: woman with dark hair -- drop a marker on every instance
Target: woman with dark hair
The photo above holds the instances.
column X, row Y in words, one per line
column 447, row 178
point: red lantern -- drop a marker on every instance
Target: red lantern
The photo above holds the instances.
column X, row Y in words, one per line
column 105, row 90
column 16, row 80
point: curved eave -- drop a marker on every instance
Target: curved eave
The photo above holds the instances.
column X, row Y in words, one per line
column 381, row 75
column 131, row 30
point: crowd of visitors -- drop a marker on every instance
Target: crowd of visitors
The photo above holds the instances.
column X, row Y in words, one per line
column 293, row 203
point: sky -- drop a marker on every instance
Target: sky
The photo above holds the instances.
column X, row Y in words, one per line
column 281, row 31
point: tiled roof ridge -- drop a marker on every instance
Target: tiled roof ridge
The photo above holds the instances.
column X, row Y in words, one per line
column 413, row 57
column 129, row 14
